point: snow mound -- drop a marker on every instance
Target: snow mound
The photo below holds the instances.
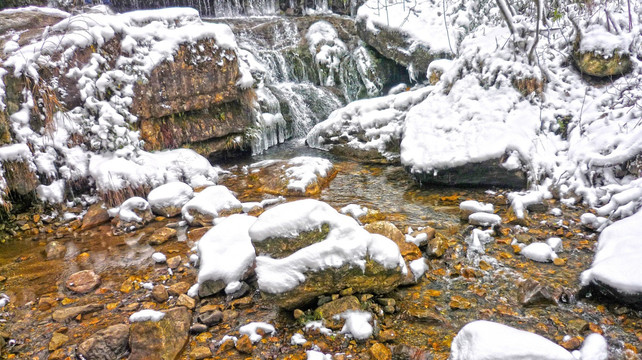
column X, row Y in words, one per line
column 252, row 330
column 146, row 315
column 354, row 210
column 618, row 257
column 346, row 243
column 126, row 212
column 303, row 171
column 357, row 324
column 539, row 251
column 476, row 206
column 327, row 49
column 174, row 194
column 485, row 340
column 225, row 251
column 211, row 201
column 484, row 219
column 594, row 348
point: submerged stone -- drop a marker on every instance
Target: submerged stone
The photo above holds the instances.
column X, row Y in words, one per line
column 106, row 344
column 162, row 339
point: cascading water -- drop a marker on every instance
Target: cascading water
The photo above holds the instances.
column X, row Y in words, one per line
column 303, row 72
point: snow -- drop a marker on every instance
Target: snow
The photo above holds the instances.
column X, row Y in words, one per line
column 418, row 267
column 45, row 10
column 485, row 340
column 225, row 251
column 539, row 251
column 298, row 339
column 4, row 300
column 326, row 48
column 597, row 39
column 618, row 257
column 15, row 152
column 159, row 258
column 594, row 348
column 520, row 201
column 173, row 194
column 476, row 206
column 126, row 212
column 594, row 222
column 211, row 201
column 484, row 219
column 346, row 243
column 53, row 193
column 252, row 329
column 357, row 324
column 317, row 355
column 555, row 243
column 354, row 210
column 146, row 315
column 303, row 171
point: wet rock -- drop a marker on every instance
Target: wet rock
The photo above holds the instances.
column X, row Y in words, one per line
column 572, row 343
column 200, row 352
column 96, row 215
column 83, row 281
column 179, row 288
column 55, row 250
column 244, row 345
column 405, row 352
column 242, row 290
column 140, row 208
column 160, row 340
column 486, row 173
column 65, row 314
column 281, row 247
column 430, row 234
column 425, row 315
column 408, row 250
column 160, row 294
column 375, row 279
column 106, row 344
column 379, row 351
column 59, row 354
column 533, row 293
column 211, row 318
column 437, row 246
column 209, row 288
column 197, row 234
column 174, row 262
column 198, row 328
column 45, row 303
column 184, row 300
column 328, row 310
column 57, row 340
column 386, row 335
column 229, row 315
column 162, row 235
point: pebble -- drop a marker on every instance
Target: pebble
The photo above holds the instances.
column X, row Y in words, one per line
column 188, row 302
column 211, row 318
column 244, row 345
column 160, row 294
column 379, row 351
column 83, row 281
column 174, row 262
column 57, row 340
column 198, row 328
column 178, row 288
column 159, row 258
column 200, row 352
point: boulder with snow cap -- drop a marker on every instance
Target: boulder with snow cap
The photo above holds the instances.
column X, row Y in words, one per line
column 209, row 204
column 133, row 214
column 618, row 256
column 347, row 256
column 168, row 200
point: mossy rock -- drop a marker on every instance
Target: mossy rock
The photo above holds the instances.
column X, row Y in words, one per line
column 374, row 280
column 280, row 247
column 597, row 65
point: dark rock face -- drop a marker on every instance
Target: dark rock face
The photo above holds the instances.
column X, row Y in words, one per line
column 163, row 339
column 107, row 344
column 395, row 45
column 609, row 293
column 487, row 173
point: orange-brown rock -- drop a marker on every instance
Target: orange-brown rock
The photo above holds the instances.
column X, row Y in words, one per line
column 379, row 351
column 83, row 281
column 408, row 250
column 95, row 216
column 244, row 345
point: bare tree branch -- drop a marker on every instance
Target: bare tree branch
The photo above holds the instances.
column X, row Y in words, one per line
column 503, row 8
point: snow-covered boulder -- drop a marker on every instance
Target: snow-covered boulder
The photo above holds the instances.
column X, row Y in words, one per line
column 299, row 176
column 485, row 340
column 341, row 254
column 207, row 205
column 225, row 254
column 539, row 251
column 412, row 38
column 368, row 130
column 132, row 214
column 617, row 267
column 602, row 53
column 168, row 200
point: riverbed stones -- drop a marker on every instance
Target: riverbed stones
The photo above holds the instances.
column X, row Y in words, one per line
column 160, row 294
column 200, row 353
column 211, row 318
column 55, row 250
column 533, row 293
column 379, row 351
column 210, row 287
column 184, row 300
column 64, row 314
column 57, row 340
column 83, row 281
column 180, row 287
column 244, row 345
column 96, row 215
column 163, row 339
column 107, row 344
column 162, row 235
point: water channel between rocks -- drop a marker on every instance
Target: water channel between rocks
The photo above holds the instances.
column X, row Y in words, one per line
column 459, row 287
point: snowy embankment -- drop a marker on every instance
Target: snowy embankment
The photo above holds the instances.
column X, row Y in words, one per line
column 96, row 141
